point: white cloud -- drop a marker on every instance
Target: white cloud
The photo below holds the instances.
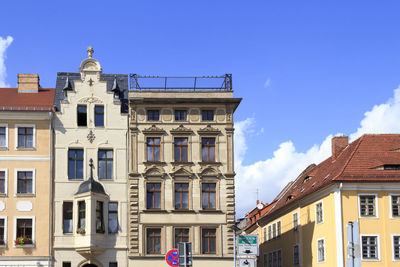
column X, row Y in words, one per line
column 272, row 174
column 267, row 83
column 4, row 44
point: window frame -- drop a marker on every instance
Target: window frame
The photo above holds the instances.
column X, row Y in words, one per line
column 270, row 258
column 391, row 205
column 5, row 194
column 100, row 209
column 5, row 125
column 16, row 194
column 77, row 115
column 181, row 146
column 148, row 111
column 316, row 212
column 106, row 161
column 180, row 110
column 153, row 148
column 72, row 217
column 377, row 247
column 96, row 113
column 324, row 246
column 83, row 164
column 393, row 246
column 181, row 228
column 208, row 110
column 215, row 195
column 153, row 252
column 376, row 206
column 5, row 231
column 112, row 212
column 295, row 227
column 33, row 230
column 208, row 146
column 215, row 239
column 78, row 225
column 16, row 128
column 181, row 194
column 160, row 191
column 298, row 255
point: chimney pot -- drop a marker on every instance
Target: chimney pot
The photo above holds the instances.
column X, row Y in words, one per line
column 338, row 144
column 28, row 83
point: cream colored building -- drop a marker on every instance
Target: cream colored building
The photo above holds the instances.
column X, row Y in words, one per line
column 90, row 211
column 25, row 173
column 181, row 175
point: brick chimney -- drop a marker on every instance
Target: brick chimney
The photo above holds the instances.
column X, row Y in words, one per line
column 28, row 83
column 338, row 144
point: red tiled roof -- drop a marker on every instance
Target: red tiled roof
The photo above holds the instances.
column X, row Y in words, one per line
column 11, row 100
column 357, row 163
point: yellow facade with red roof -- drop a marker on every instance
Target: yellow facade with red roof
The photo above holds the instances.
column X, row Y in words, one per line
column 25, row 173
column 344, row 211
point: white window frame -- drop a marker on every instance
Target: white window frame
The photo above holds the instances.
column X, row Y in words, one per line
column 33, row 230
column 378, row 247
column 16, row 181
column 33, row 135
column 298, row 221
column 392, row 240
column 5, row 231
column 298, row 250
column 318, row 260
column 316, row 212
column 376, row 206
column 5, row 182
column 390, row 205
column 5, row 125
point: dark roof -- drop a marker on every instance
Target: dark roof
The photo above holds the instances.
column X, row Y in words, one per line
column 122, row 81
column 11, row 100
column 361, row 161
column 90, row 185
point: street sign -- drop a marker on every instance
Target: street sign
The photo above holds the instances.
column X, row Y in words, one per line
column 248, row 245
column 172, row 257
column 250, row 262
column 185, row 254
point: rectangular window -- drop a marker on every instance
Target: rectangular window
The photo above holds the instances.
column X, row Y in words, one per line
column 278, row 228
column 265, row 260
column 207, row 115
column 24, row 231
column 2, row 231
column 369, row 247
column 295, row 221
column 208, row 195
column 321, row 250
column 265, row 234
column 99, row 217
column 153, row 115
column 275, row 259
column 395, row 205
column 181, row 235
column 105, row 158
column 153, row 149
column 25, row 182
column 66, row 264
column 82, row 115
column 208, row 149
column 67, row 217
column 153, row 195
column 113, row 217
column 2, row 182
column 75, row 163
column 181, row 149
column 3, row 136
column 180, row 115
column 113, row 264
column 296, row 255
column 396, row 247
column 81, row 215
column 208, row 242
column 153, row 241
column 99, row 116
column 269, row 232
column 25, row 137
column 181, row 196
column 319, row 212
column 367, row 205
column 274, row 230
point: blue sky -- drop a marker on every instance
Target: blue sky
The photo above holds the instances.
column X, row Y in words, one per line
column 305, row 69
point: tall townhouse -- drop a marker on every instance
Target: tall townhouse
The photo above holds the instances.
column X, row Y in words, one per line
column 344, row 211
column 90, row 185
column 25, row 173
column 181, row 176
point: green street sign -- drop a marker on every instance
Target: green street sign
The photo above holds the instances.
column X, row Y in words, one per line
column 247, row 240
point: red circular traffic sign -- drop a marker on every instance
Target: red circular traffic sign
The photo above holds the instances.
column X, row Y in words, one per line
column 172, row 257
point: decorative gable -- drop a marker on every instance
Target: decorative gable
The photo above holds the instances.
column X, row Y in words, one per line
column 154, row 130
column 209, row 130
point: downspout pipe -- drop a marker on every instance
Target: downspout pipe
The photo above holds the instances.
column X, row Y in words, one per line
column 49, row 261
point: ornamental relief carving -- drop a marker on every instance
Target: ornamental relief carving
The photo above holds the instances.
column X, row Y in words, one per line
column 181, row 129
column 209, row 130
column 182, row 171
column 154, row 171
column 90, row 100
column 209, row 171
column 154, row 130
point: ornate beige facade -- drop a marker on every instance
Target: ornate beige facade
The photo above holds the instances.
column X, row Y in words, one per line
column 181, row 177
column 91, row 210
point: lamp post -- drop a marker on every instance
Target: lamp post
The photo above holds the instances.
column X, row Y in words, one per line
column 234, row 229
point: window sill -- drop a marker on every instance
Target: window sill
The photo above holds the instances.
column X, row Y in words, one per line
column 210, row 211
column 3, row 195
column 25, row 195
column 75, row 179
column 209, row 162
column 183, row 211
column 25, row 148
column 106, row 179
column 25, row 246
column 154, row 211
column 3, row 148
column 154, row 162
column 182, row 163
column 368, row 217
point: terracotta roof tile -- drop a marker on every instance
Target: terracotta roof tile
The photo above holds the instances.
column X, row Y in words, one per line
column 11, row 100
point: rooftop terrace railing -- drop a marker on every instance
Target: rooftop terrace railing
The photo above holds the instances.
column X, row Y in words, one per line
column 199, row 83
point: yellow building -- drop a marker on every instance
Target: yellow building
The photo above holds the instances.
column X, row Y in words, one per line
column 25, row 173
column 342, row 212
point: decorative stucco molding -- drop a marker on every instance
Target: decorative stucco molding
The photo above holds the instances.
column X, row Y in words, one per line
column 209, row 130
column 154, row 130
column 181, row 129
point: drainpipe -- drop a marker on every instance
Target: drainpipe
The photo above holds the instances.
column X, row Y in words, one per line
column 300, row 242
column 50, row 186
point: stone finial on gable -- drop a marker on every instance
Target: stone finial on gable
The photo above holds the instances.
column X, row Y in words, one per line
column 90, row 51
column 90, row 66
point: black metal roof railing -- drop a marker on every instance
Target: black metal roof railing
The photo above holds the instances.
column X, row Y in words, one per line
column 138, row 82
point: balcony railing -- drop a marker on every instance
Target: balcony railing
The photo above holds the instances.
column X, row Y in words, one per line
column 200, row 83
